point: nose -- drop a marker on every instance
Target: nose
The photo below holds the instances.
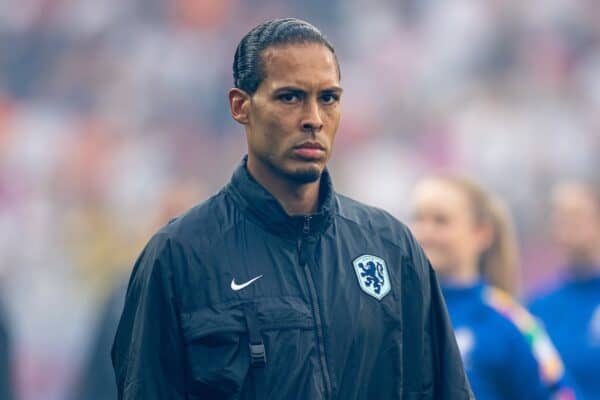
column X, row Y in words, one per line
column 311, row 120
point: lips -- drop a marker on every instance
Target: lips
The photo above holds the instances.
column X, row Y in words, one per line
column 310, row 145
column 309, row 150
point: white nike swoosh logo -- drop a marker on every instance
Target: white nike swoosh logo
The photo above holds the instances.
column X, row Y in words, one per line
column 236, row 287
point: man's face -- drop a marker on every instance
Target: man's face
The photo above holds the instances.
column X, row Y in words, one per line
column 294, row 114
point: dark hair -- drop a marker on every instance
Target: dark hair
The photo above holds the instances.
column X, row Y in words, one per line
column 248, row 68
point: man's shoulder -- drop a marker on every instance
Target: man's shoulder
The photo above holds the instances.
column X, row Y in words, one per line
column 193, row 231
column 378, row 222
column 364, row 214
column 201, row 222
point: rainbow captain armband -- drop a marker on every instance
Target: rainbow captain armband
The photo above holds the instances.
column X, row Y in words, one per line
column 564, row 394
column 551, row 366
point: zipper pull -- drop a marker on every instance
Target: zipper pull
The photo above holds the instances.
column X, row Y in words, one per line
column 306, row 227
column 301, row 252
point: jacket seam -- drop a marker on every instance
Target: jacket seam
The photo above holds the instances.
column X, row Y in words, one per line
column 240, row 328
column 243, row 301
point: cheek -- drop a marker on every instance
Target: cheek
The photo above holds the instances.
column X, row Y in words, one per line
column 587, row 230
column 467, row 247
column 436, row 241
column 269, row 133
column 585, row 234
column 418, row 231
column 332, row 119
column 280, row 127
column 450, row 244
column 332, row 114
column 568, row 233
column 443, row 234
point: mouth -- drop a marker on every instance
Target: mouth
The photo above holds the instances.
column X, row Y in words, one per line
column 309, row 150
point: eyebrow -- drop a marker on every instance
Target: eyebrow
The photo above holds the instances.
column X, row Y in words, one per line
column 335, row 89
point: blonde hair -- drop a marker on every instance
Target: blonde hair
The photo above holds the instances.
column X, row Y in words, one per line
column 498, row 264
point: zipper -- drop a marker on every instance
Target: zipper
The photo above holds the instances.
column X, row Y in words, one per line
column 306, row 226
column 320, row 338
column 303, row 258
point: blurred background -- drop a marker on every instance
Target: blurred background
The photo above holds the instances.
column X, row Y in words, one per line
column 114, row 118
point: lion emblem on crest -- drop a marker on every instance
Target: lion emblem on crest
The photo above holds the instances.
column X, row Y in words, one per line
column 372, row 275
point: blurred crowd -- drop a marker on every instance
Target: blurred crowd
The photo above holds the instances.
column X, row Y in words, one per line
column 114, row 118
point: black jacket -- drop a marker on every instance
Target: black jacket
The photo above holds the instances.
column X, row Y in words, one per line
column 344, row 302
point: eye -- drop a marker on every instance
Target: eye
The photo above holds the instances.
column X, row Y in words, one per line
column 441, row 220
column 329, row 98
column 289, row 97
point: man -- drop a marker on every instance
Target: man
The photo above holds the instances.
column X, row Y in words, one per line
column 277, row 287
column 571, row 312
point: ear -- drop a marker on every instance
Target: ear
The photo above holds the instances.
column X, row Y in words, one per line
column 239, row 105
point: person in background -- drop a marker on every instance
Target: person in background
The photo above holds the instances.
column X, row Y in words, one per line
column 6, row 387
column 467, row 236
column 571, row 312
column 97, row 380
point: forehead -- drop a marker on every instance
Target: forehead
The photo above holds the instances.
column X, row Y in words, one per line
column 573, row 196
column 299, row 64
column 440, row 195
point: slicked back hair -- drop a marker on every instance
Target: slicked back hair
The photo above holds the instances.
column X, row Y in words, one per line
column 248, row 66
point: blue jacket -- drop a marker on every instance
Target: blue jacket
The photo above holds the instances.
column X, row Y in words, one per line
column 505, row 352
column 571, row 315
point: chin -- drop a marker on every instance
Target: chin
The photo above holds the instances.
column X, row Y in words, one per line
column 305, row 175
column 438, row 263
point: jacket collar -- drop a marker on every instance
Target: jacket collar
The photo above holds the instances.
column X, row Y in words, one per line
column 262, row 207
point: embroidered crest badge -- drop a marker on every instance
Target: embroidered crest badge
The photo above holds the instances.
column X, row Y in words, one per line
column 372, row 275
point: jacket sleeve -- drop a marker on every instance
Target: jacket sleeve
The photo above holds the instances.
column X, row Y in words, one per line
column 450, row 380
column 147, row 353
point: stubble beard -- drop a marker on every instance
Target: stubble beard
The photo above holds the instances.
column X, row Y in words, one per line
column 306, row 176
column 302, row 175
column 299, row 175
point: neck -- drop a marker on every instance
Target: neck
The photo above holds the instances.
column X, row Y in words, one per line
column 295, row 198
column 463, row 276
column 585, row 265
